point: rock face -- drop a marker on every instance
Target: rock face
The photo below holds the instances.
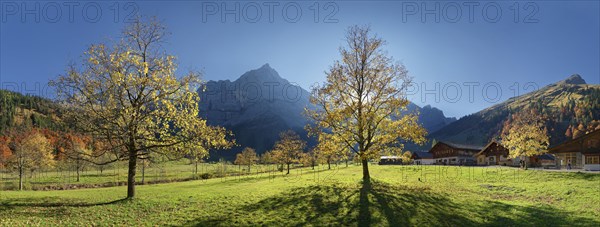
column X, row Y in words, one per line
column 256, row 107
column 573, row 79
column 260, row 104
column 431, row 118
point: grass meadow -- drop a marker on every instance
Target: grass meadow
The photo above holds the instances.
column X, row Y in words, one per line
column 396, row 196
column 116, row 174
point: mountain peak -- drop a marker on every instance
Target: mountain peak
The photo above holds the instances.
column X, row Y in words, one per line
column 262, row 74
column 574, row 79
column 266, row 66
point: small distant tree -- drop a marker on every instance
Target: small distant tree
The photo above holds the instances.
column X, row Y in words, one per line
column 145, row 162
column 309, row 158
column 269, row 157
column 406, row 157
column 100, row 154
column 30, row 150
column 5, row 151
column 525, row 135
column 221, row 139
column 579, row 131
column 247, row 157
column 289, row 148
column 329, row 150
column 569, row 133
column 77, row 152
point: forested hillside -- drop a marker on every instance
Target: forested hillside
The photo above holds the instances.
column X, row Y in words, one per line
column 17, row 110
column 571, row 108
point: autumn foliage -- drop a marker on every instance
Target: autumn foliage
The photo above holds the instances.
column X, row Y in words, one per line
column 525, row 134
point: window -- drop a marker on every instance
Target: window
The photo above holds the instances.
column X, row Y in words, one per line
column 592, row 159
column 572, row 157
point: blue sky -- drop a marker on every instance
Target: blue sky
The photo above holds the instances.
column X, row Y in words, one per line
column 544, row 43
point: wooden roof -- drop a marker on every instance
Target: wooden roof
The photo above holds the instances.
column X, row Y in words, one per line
column 460, row 146
column 579, row 144
column 488, row 146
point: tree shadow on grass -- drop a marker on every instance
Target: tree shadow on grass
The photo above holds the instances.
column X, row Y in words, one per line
column 46, row 207
column 370, row 203
column 381, row 204
column 394, row 205
column 52, row 202
column 498, row 213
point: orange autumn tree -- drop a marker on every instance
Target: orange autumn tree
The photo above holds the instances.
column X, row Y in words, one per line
column 5, row 151
column 77, row 151
column 30, row 151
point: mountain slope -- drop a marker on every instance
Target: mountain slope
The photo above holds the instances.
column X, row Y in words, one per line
column 431, row 118
column 256, row 107
column 260, row 104
column 566, row 103
column 18, row 110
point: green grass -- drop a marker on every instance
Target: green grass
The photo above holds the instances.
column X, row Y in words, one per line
column 116, row 174
column 397, row 196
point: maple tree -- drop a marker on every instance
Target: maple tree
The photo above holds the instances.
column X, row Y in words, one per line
column 525, row 134
column 288, row 149
column 361, row 102
column 247, row 157
column 30, row 151
column 127, row 94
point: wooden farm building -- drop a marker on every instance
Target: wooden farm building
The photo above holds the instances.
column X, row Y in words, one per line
column 493, row 154
column 390, row 160
column 582, row 152
column 423, row 158
column 496, row 154
column 446, row 153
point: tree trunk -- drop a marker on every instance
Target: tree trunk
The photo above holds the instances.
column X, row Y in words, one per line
column 346, row 162
column 143, row 170
column 328, row 164
column 365, row 165
column 249, row 165
column 288, row 168
column 131, row 175
column 77, row 169
column 20, row 178
column 196, row 170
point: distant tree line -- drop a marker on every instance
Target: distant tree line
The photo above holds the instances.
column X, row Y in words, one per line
column 17, row 110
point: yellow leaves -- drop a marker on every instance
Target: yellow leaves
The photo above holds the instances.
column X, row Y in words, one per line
column 122, row 96
column 32, row 151
column 361, row 100
column 145, row 68
column 525, row 134
column 93, row 61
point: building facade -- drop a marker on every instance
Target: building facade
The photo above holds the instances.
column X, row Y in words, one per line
column 493, row 154
column 445, row 153
column 423, row 158
column 582, row 152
